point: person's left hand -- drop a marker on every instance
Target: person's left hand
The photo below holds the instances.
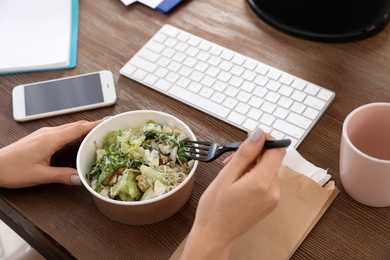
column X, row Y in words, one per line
column 27, row 162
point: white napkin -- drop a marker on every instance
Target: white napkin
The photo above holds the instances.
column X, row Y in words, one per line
column 296, row 162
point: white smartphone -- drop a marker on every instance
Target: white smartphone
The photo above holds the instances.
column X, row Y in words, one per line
column 64, row 95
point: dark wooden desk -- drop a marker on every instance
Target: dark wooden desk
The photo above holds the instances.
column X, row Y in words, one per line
column 62, row 221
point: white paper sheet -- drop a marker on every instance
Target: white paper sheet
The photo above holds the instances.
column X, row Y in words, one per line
column 151, row 3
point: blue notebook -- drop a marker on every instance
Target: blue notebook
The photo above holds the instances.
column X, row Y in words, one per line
column 44, row 40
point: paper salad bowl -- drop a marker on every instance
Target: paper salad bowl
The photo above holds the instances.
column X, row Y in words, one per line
column 134, row 212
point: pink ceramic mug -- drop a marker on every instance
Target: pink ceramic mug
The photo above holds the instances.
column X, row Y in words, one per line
column 365, row 154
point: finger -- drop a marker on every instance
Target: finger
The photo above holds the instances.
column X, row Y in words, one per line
column 270, row 161
column 67, row 126
column 263, row 178
column 71, row 132
column 59, row 127
column 245, row 155
column 273, row 158
column 227, row 159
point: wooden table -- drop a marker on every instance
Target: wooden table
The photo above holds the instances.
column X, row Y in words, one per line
column 62, row 221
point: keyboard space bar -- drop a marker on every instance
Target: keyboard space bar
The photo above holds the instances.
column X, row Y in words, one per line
column 198, row 101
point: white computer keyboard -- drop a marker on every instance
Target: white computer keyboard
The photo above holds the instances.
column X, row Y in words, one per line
column 227, row 85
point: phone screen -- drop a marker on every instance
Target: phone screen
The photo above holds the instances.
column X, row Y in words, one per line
column 63, row 94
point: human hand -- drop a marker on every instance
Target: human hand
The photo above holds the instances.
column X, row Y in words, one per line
column 245, row 191
column 27, row 161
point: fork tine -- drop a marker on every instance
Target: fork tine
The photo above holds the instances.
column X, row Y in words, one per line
column 200, row 158
column 189, row 143
column 198, row 142
column 195, row 157
column 197, row 147
column 195, row 152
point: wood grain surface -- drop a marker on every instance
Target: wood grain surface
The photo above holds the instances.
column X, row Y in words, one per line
column 62, row 221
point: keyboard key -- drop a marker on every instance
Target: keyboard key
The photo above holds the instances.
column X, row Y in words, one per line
column 281, row 112
column 255, row 102
column 170, row 31
column 312, row 89
column 267, row 119
column 149, row 55
column 299, row 84
column 243, row 96
column 250, row 124
column 299, row 120
column 163, row 84
column 181, row 46
column 262, row 68
column 183, row 36
column 144, row 64
column 128, row 70
column 285, row 102
column 230, row 102
column 247, row 86
column 315, row 102
column 218, row 97
column 254, row 113
column 286, row 90
column 139, row 74
column 238, row 59
column 277, row 134
column 242, row 108
column 194, row 87
column 161, row 72
column 216, row 50
column 155, row 46
column 268, row 107
column 274, row 74
column 236, row 118
column 192, row 51
column 289, row 129
column 183, row 82
column 219, row 86
column 298, row 107
column 174, row 66
column 194, row 41
column 150, row 79
column 325, row 95
column 298, row 96
column 286, row 79
column 227, row 54
column 206, row 92
column 198, row 101
column 250, row 64
column 311, row 113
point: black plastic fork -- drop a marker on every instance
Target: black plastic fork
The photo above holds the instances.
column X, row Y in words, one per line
column 205, row 151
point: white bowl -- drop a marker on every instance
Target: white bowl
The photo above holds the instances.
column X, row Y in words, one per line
column 136, row 212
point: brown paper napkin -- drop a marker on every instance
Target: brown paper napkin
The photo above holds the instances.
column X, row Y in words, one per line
column 302, row 203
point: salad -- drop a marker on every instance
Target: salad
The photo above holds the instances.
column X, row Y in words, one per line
column 140, row 163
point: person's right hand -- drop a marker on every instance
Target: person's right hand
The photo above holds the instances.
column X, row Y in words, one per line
column 245, row 191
